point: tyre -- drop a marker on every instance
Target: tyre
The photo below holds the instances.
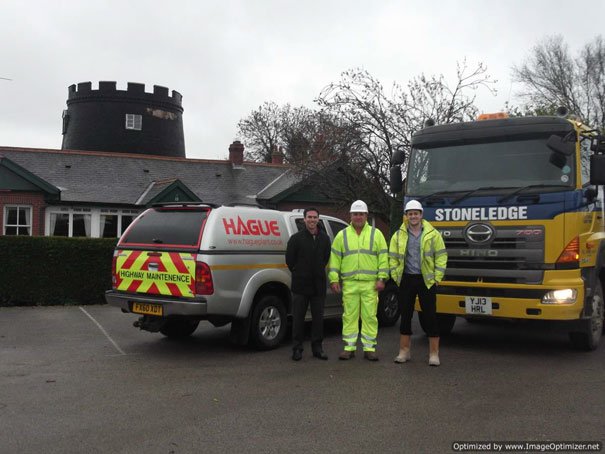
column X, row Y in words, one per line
column 589, row 336
column 268, row 324
column 388, row 306
column 179, row 328
column 445, row 321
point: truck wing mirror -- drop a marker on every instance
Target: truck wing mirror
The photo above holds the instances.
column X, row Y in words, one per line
column 597, row 169
column 395, row 179
column 598, row 144
column 398, row 157
column 559, row 144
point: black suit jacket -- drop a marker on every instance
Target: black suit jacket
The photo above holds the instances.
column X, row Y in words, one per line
column 307, row 259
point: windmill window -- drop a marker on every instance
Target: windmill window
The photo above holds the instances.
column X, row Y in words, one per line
column 134, row 121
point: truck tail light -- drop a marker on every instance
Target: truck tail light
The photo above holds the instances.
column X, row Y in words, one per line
column 571, row 253
column 114, row 277
column 203, row 279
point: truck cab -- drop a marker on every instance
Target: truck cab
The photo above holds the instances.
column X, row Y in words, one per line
column 521, row 218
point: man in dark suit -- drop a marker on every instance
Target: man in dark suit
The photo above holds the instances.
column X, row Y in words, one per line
column 307, row 255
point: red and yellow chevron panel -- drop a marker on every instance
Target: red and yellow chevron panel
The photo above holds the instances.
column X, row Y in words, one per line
column 156, row 273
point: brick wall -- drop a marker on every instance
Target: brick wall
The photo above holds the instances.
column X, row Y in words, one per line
column 33, row 199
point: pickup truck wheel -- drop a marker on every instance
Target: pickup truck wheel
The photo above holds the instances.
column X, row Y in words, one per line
column 179, row 328
column 592, row 329
column 388, row 306
column 446, row 323
column 268, row 325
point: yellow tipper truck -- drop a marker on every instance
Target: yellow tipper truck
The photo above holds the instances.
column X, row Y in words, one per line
column 520, row 208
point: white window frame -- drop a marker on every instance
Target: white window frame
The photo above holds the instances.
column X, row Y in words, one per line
column 28, row 216
column 119, row 213
column 134, row 121
column 95, row 218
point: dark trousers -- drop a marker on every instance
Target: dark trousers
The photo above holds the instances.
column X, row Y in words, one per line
column 300, row 303
column 413, row 285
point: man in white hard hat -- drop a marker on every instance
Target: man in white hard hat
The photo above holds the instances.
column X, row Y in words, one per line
column 417, row 259
column 359, row 260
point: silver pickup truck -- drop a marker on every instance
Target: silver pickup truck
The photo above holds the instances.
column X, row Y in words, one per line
column 178, row 264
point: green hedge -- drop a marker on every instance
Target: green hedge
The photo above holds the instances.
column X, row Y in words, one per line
column 43, row 271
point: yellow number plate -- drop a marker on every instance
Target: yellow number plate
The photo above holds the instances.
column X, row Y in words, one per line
column 147, row 309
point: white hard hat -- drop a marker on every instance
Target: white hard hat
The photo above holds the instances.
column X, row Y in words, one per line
column 413, row 205
column 359, row 206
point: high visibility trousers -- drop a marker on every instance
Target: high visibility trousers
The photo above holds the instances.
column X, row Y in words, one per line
column 359, row 297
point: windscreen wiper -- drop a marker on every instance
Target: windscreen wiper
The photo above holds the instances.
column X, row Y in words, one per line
column 473, row 191
column 530, row 186
column 429, row 197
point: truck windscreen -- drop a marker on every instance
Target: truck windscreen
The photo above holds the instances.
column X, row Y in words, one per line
column 496, row 164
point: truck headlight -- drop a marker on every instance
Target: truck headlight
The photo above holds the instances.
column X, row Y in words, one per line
column 564, row 296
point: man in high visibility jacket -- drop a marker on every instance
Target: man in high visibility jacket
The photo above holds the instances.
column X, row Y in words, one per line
column 417, row 258
column 359, row 260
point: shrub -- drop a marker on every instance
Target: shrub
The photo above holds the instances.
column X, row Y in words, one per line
column 54, row 270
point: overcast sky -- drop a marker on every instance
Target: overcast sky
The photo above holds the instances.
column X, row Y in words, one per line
column 227, row 57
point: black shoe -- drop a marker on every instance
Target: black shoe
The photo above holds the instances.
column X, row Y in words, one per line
column 320, row 354
column 297, row 355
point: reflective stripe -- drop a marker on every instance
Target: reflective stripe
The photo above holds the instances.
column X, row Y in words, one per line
column 429, row 276
column 360, row 251
column 440, row 252
column 335, row 270
column 339, row 253
column 353, row 273
column 438, row 268
column 351, row 344
column 373, row 231
column 349, row 336
column 368, row 345
column 396, row 255
column 345, row 241
column 383, row 270
column 383, row 251
column 368, row 338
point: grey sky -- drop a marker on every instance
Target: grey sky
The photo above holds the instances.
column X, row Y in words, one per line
column 227, row 57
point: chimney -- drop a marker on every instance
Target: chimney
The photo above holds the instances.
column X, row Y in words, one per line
column 277, row 157
column 236, row 153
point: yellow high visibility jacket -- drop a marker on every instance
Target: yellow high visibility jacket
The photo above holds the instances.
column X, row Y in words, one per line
column 433, row 256
column 362, row 257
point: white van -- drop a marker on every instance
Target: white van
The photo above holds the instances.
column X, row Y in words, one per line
column 178, row 264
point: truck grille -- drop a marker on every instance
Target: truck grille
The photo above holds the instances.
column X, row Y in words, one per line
column 509, row 254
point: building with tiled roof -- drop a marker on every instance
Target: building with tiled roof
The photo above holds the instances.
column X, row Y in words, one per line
column 130, row 156
column 81, row 193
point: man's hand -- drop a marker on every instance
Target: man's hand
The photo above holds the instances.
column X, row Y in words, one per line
column 380, row 285
column 335, row 286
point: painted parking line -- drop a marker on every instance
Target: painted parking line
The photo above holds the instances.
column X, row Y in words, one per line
column 114, row 343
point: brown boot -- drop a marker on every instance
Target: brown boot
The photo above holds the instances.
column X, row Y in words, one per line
column 346, row 354
column 434, row 351
column 370, row 356
column 404, row 349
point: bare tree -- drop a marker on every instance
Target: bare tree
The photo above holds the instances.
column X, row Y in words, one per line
column 345, row 149
column 272, row 126
column 382, row 123
column 260, row 131
column 552, row 77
